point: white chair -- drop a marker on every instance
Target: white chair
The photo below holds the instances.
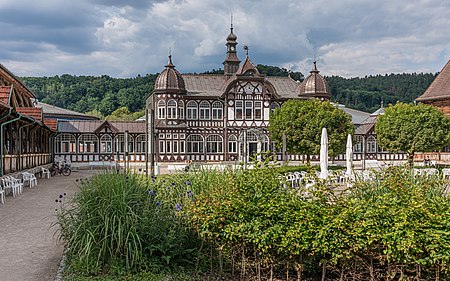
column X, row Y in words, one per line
column 45, row 172
column 18, row 184
column 30, row 178
column 2, row 194
column 446, row 173
column 10, row 186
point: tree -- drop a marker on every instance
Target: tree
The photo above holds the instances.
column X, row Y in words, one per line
column 120, row 114
column 302, row 122
column 410, row 128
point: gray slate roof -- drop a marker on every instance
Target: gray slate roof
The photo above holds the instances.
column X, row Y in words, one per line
column 86, row 126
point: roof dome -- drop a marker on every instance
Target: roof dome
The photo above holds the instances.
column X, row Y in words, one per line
column 314, row 86
column 170, row 80
column 231, row 36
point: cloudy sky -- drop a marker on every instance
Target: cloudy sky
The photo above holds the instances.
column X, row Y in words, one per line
column 126, row 38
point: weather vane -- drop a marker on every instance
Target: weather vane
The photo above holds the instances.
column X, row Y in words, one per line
column 246, row 49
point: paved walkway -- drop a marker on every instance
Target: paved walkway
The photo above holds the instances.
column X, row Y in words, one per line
column 29, row 248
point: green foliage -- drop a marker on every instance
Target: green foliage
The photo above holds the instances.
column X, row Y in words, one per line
column 86, row 93
column 116, row 225
column 96, row 113
column 394, row 227
column 367, row 93
column 276, row 71
column 410, row 128
column 302, row 122
column 123, row 114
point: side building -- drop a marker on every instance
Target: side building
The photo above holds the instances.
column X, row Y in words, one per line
column 26, row 136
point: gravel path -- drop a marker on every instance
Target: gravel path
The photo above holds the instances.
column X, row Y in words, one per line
column 29, row 248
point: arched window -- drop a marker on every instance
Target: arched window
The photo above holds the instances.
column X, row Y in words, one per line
column 217, row 110
column 205, row 110
column 119, row 143
column 192, row 108
column 195, row 144
column 161, row 109
column 274, row 106
column 65, row 143
column 358, row 144
column 140, row 144
column 232, row 144
column 214, row 144
column 371, row 144
column 88, row 143
column 106, row 144
column 181, row 109
column 171, row 109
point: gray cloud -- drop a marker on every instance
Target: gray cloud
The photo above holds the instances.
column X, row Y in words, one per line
column 126, row 38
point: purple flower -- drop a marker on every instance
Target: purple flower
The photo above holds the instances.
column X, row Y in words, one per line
column 188, row 182
column 178, row 207
column 190, row 194
column 151, row 192
column 158, row 203
column 174, row 184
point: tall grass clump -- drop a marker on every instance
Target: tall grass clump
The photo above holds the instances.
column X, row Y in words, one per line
column 100, row 226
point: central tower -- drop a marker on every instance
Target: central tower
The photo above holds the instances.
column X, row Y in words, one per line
column 231, row 63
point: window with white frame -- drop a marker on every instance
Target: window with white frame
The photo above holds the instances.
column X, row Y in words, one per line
column 217, row 110
column 161, row 146
column 239, row 110
column 88, row 143
column 171, row 109
column 258, row 110
column 175, row 147
column 232, row 144
column 106, row 144
column 140, row 144
column 161, row 109
column 204, row 110
column 191, row 109
column 214, row 144
column 180, row 109
column 65, row 143
column 371, row 144
column 358, row 147
column 182, row 146
column 248, row 110
column 195, row 144
column 119, row 143
column 168, row 147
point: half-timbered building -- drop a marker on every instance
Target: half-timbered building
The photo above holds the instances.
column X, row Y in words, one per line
column 25, row 135
column 223, row 117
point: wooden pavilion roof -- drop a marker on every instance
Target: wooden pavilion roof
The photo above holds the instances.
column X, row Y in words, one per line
column 439, row 88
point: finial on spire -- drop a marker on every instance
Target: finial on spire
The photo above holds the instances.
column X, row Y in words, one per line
column 382, row 105
column 231, row 28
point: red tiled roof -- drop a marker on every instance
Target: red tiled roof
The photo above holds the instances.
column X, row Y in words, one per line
column 52, row 123
column 4, row 94
column 34, row 112
column 440, row 87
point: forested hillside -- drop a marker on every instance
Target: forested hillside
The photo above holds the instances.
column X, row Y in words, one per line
column 86, row 93
column 105, row 94
column 367, row 93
